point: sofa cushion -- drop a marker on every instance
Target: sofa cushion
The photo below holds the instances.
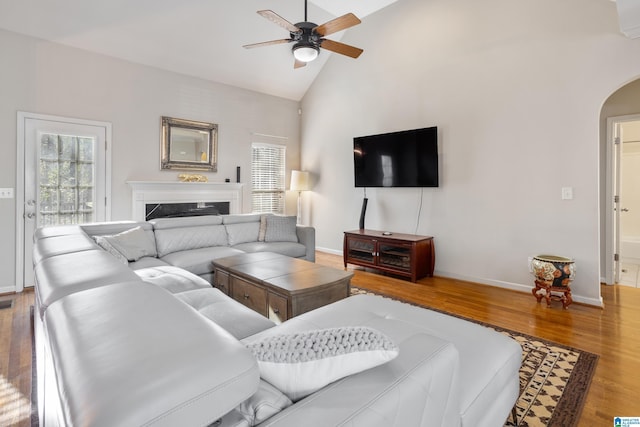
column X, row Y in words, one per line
column 420, row 387
column 133, row 244
column 56, row 230
column 61, row 244
column 146, row 262
column 237, row 319
column 178, row 239
column 281, row 229
column 240, row 218
column 66, row 274
column 129, row 354
column 264, row 404
column 243, row 232
column 187, row 221
column 198, row 261
column 114, row 227
column 301, row 363
column 172, row 279
column 488, row 370
column 294, row 250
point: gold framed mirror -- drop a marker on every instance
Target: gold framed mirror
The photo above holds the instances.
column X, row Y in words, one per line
column 189, row 145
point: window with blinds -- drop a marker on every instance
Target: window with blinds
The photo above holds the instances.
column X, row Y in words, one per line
column 267, row 177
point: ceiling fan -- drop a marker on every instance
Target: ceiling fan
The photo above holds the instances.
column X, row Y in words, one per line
column 308, row 37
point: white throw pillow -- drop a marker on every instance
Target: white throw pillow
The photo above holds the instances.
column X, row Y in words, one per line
column 104, row 244
column 281, row 229
column 301, row 363
column 133, row 244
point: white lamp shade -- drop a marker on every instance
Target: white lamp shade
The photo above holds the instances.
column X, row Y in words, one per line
column 299, row 181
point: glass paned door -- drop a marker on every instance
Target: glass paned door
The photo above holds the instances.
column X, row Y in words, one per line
column 66, row 177
column 66, row 185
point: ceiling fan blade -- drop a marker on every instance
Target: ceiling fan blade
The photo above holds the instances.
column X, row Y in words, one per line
column 338, row 24
column 341, row 48
column 299, row 64
column 277, row 19
column 269, row 43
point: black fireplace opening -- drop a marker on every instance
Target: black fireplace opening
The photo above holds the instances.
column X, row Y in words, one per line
column 176, row 210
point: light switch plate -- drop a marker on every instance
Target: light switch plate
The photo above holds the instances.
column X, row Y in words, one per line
column 567, row 193
column 6, row 193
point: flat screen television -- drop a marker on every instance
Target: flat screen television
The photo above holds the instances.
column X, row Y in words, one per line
column 398, row 159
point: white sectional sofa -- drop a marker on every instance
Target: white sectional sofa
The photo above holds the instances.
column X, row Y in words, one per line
column 150, row 342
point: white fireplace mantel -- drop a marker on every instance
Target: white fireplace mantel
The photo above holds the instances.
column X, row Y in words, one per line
column 148, row 192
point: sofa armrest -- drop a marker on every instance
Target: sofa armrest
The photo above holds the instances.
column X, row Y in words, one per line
column 132, row 354
column 307, row 236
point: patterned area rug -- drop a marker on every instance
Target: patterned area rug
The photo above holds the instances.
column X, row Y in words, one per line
column 554, row 379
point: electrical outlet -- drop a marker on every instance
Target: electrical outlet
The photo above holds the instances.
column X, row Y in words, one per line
column 567, row 193
column 6, row 193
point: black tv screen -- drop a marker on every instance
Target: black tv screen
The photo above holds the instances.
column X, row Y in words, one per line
column 399, row 159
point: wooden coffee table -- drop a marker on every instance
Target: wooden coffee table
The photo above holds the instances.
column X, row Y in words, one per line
column 277, row 286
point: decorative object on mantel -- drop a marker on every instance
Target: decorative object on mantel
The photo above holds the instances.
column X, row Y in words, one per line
column 554, row 275
column 299, row 183
column 189, row 177
column 189, row 145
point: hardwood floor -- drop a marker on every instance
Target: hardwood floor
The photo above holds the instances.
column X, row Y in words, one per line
column 15, row 360
column 612, row 333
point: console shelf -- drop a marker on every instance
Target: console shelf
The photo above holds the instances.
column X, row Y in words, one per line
column 407, row 255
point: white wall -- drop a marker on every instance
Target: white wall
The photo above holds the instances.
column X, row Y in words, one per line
column 515, row 89
column 47, row 78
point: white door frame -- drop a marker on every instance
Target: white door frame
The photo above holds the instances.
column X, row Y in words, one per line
column 22, row 117
column 612, row 215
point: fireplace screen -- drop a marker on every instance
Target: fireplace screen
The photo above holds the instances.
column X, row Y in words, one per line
column 174, row 210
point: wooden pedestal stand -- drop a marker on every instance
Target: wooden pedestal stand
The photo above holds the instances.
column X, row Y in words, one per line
column 545, row 290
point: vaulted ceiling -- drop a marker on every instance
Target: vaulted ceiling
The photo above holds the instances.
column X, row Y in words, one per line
column 204, row 38
column 201, row 38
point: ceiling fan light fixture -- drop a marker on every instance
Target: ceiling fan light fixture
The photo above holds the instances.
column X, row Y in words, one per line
column 305, row 52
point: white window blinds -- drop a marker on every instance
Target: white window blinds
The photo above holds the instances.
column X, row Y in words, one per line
column 267, row 177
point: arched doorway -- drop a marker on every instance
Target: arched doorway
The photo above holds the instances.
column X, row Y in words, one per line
column 620, row 173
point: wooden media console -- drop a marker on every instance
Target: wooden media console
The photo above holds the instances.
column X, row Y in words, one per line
column 407, row 255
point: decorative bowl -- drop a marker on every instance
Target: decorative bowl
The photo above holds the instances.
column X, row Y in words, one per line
column 554, row 270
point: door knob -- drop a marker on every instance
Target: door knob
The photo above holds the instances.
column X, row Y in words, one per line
column 31, row 202
column 29, row 215
column 624, row 210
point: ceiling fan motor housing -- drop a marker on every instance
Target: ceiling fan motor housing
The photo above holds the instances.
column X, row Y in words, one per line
column 307, row 44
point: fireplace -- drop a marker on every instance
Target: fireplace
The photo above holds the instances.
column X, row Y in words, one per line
column 175, row 210
column 161, row 199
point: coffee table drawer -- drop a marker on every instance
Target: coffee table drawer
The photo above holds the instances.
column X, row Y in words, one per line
column 278, row 311
column 222, row 281
column 250, row 295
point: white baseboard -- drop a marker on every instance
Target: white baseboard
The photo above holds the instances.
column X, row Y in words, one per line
column 329, row 251
column 515, row 286
column 497, row 283
column 7, row 289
